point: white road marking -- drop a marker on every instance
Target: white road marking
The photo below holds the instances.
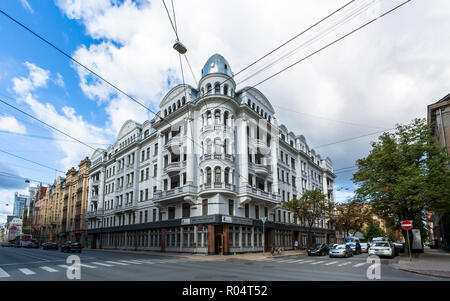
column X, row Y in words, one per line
column 360, row 264
column 64, row 266
column 103, row 264
column 129, row 261
column 308, row 261
column 330, row 263
column 3, row 274
column 345, row 263
column 116, row 262
column 87, row 266
column 27, row 271
column 317, row 262
column 48, row 269
column 299, row 261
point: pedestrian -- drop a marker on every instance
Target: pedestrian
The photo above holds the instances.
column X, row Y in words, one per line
column 295, row 245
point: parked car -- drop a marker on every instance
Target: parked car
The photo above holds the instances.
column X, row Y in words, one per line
column 50, row 245
column 7, row 244
column 70, row 246
column 355, row 246
column 319, row 250
column 399, row 247
column 364, row 247
column 341, row 251
column 33, row 244
column 382, row 248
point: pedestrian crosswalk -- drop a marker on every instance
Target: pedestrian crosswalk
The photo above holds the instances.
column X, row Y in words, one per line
column 330, row 263
column 28, row 271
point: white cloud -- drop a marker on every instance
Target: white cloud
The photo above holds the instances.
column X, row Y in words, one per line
column 69, row 121
column 10, row 124
column 384, row 74
column 59, row 81
column 27, row 6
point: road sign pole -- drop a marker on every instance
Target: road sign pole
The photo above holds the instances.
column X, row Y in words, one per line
column 409, row 248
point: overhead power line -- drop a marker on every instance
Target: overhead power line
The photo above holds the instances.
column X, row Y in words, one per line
column 6, row 174
column 50, row 126
column 45, row 137
column 353, row 138
column 34, row 162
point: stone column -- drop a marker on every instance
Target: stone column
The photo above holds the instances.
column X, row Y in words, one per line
column 190, row 153
column 163, row 239
column 159, row 163
column 226, row 239
column 244, row 153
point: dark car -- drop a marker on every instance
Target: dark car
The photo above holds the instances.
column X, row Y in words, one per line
column 319, row 250
column 399, row 247
column 355, row 246
column 50, row 245
column 71, row 246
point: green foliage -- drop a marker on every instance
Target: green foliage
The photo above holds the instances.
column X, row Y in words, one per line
column 351, row 216
column 405, row 174
column 373, row 230
column 311, row 207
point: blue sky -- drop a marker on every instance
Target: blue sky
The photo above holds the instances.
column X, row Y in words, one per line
column 383, row 75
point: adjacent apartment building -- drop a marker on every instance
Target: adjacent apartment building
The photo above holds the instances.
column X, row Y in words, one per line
column 201, row 176
column 62, row 208
column 439, row 115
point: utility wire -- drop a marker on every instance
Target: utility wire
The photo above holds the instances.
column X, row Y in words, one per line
column 6, row 174
column 349, row 139
column 50, row 126
column 45, row 137
column 34, row 162
column 76, row 61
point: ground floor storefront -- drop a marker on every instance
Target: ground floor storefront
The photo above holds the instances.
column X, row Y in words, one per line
column 207, row 234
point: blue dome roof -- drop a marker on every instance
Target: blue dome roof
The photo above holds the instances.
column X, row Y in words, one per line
column 217, row 64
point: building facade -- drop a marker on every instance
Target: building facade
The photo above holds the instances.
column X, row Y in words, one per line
column 439, row 115
column 201, row 175
column 51, row 212
column 20, row 202
column 75, row 193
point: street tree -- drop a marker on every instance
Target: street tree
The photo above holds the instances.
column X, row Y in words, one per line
column 351, row 217
column 310, row 208
column 373, row 230
column 405, row 174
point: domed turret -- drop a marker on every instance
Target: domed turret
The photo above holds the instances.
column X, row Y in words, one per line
column 216, row 64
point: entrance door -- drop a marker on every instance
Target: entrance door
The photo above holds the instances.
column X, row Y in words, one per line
column 219, row 244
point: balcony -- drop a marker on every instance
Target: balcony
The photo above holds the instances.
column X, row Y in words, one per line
column 261, row 169
column 95, row 182
column 129, row 207
column 94, row 197
column 183, row 193
column 249, row 193
column 261, row 145
column 172, row 168
column 226, row 157
column 94, row 214
column 129, row 185
column 224, row 188
column 174, row 143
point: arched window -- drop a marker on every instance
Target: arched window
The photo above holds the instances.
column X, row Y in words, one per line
column 262, row 113
column 217, row 88
column 269, row 118
column 249, row 102
column 265, row 115
column 227, row 175
column 203, row 91
column 253, row 106
column 208, row 89
column 217, row 146
column 208, row 118
column 217, row 117
column 257, row 109
column 174, row 107
column 217, row 175
column 225, row 118
column 183, row 100
column 165, row 112
column 209, row 146
column 170, row 110
column 178, row 104
column 225, row 89
column 208, row 175
column 225, row 146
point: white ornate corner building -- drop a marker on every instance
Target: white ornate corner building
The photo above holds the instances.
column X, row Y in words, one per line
column 202, row 174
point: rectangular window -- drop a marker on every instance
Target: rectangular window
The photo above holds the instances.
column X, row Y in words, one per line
column 146, row 194
column 154, row 215
column 257, row 212
column 156, row 149
column 155, row 170
column 147, row 173
column 205, row 207
column 231, row 207
column 247, row 210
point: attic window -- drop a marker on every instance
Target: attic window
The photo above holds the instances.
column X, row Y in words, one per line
column 225, row 66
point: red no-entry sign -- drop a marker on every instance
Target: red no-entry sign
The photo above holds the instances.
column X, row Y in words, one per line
column 406, row 225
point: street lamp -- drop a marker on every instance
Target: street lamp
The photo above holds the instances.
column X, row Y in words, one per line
column 178, row 46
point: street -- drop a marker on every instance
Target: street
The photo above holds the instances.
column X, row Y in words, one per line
column 19, row 264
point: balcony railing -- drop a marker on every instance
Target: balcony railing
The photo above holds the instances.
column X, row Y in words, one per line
column 260, row 194
column 261, row 169
column 94, row 197
column 95, row 213
column 95, row 182
column 174, row 192
column 174, row 141
column 222, row 156
column 224, row 186
column 172, row 167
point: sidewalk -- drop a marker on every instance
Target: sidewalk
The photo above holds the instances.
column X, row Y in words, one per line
column 433, row 262
column 234, row 257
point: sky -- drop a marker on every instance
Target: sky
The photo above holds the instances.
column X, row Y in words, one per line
column 384, row 74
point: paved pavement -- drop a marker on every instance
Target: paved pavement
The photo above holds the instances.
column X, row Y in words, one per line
column 434, row 262
column 36, row 264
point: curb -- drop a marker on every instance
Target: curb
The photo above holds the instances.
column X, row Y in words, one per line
column 420, row 272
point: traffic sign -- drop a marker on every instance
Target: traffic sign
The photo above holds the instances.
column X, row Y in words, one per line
column 406, row 225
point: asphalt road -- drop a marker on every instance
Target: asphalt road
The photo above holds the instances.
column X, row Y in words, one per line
column 48, row 265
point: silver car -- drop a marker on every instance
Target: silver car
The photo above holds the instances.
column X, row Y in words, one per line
column 341, row 251
column 364, row 247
